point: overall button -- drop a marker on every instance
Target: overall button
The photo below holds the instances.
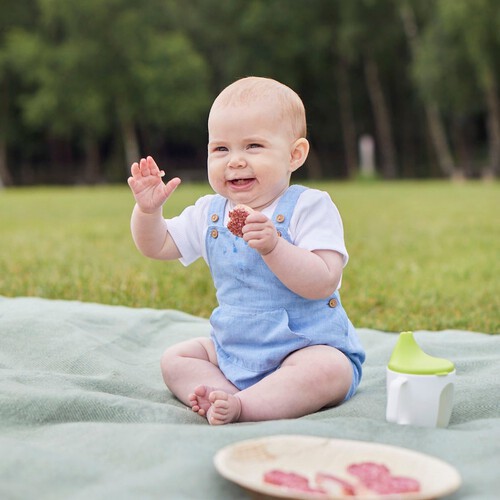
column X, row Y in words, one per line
column 332, row 303
column 214, row 218
column 279, row 233
column 214, row 233
column 280, row 218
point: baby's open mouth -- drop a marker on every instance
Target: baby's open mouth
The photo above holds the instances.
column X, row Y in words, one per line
column 241, row 182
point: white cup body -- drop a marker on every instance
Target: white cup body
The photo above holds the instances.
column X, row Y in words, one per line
column 421, row 400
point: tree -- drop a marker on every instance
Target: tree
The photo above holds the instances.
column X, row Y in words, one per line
column 437, row 129
column 92, row 64
column 103, row 81
column 360, row 37
column 456, row 68
column 12, row 13
column 5, row 177
column 257, row 37
column 477, row 26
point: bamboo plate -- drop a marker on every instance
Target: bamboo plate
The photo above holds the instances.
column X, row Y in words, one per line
column 246, row 462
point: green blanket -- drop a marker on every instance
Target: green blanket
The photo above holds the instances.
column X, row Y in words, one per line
column 84, row 413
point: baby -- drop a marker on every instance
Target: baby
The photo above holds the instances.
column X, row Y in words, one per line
column 281, row 344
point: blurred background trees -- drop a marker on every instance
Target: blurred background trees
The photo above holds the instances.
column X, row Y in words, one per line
column 86, row 87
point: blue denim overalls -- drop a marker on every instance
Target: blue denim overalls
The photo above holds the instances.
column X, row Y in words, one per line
column 259, row 321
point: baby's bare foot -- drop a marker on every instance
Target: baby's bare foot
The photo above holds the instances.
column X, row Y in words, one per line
column 226, row 408
column 199, row 401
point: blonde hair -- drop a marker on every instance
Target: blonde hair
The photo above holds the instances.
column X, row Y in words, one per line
column 253, row 88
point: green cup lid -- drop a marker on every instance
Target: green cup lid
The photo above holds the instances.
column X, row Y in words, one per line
column 408, row 357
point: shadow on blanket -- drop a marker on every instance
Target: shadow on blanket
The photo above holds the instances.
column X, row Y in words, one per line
column 84, row 412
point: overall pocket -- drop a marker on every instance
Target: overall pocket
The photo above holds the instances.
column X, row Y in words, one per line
column 255, row 340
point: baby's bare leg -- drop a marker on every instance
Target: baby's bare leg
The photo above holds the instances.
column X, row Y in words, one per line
column 308, row 380
column 186, row 366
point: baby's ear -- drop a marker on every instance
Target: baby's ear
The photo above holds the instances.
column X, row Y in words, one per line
column 300, row 150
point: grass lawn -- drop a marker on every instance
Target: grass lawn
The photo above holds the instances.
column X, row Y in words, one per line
column 423, row 255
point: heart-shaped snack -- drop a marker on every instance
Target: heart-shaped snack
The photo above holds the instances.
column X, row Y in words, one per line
column 237, row 218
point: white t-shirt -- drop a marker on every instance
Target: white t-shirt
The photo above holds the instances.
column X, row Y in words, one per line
column 315, row 225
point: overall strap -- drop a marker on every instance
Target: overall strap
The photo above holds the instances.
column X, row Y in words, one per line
column 284, row 210
column 216, row 210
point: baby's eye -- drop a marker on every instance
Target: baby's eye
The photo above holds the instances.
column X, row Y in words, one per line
column 254, row 145
column 220, row 148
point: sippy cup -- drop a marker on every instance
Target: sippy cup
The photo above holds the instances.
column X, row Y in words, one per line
column 419, row 386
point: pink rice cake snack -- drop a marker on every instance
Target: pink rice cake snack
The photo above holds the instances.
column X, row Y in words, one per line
column 237, row 218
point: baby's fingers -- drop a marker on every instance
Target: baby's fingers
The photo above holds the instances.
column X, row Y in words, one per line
column 171, row 186
column 153, row 168
column 144, row 167
column 135, row 170
column 256, row 217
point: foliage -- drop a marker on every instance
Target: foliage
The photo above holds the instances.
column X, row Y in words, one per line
column 423, row 255
column 104, row 82
column 84, row 78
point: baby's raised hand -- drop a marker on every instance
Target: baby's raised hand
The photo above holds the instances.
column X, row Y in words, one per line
column 146, row 183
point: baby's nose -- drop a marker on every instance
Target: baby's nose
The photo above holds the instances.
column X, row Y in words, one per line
column 237, row 161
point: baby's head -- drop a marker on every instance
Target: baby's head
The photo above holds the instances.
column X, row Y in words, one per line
column 256, row 139
column 254, row 90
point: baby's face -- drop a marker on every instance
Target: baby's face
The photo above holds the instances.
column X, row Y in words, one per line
column 249, row 153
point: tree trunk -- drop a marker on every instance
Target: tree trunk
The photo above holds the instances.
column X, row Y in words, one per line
column 313, row 165
column 493, row 106
column 440, row 142
column 347, row 118
column 382, row 119
column 5, row 177
column 461, row 141
column 130, row 143
column 92, row 164
column 61, row 161
column 435, row 124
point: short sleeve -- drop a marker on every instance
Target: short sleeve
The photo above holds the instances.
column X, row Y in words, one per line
column 316, row 223
column 188, row 230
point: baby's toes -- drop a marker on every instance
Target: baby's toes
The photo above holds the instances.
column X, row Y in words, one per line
column 220, row 407
column 217, row 397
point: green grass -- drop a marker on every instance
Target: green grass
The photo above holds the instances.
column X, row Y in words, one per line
column 423, row 255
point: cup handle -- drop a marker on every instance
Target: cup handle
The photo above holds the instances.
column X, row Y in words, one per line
column 393, row 398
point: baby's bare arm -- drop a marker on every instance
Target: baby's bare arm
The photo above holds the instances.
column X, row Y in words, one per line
column 151, row 236
column 313, row 275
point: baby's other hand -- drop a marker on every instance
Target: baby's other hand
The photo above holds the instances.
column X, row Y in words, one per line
column 147, row 186
column 259, row 232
